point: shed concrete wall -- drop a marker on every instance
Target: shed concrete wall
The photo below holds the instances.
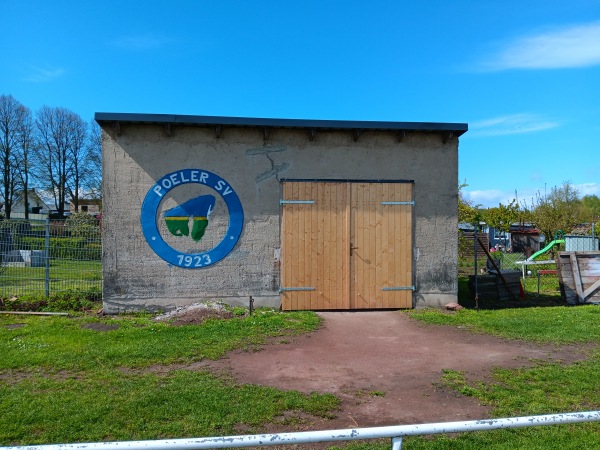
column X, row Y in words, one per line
column 135, row 277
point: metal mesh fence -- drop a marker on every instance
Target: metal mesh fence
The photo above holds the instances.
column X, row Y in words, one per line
column 42, row 258
column 536, row 279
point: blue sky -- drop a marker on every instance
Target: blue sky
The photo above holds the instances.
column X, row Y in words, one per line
column 525, row 76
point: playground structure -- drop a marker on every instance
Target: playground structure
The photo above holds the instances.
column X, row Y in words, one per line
column 545, row 271
column 546, row 249
column 578, row 271
column 558, row 240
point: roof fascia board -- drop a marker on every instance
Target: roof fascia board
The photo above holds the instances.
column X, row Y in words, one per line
column 102, row 117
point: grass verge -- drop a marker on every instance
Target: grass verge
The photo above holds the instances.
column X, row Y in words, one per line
column 63, row 382
column 545, row 388
column 110, row 405
column 557, row 324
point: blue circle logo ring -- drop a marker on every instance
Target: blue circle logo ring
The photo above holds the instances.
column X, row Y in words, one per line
column 150, row 210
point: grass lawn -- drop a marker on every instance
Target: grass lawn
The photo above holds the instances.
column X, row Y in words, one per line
column 65, row 275
column 543, row 389
column 63, row 382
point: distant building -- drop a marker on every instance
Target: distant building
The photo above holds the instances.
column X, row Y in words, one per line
column 40, row 205
column 36, row 206
column 91, row 206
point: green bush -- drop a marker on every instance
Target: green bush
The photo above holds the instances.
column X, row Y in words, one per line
column 15, row 227
column 92, row 252
column 58, row 302
column 82, row 225
column 65, row 248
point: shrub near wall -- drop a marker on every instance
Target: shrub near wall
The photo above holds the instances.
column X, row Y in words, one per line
column 65, row 248
column 82, row 225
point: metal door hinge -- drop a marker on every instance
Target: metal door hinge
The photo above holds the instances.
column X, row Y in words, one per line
column 398, row 288
column 296, row 202
column 287, row 289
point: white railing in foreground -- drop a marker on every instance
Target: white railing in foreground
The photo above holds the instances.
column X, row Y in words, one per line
column 306, row 437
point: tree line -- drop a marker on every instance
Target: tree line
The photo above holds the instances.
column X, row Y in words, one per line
column 561, row 210
column 52, row 149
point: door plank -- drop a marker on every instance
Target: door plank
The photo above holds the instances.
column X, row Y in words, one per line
column 346, row 242
column 311, row 261
column 381, row 263
column 294, row 281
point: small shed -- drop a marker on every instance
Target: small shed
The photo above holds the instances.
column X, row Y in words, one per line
column 524, row 239
column 301, row 214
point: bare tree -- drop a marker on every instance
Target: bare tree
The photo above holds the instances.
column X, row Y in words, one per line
column 93, row 167
column 10, row 117
column 59, row 137
column 77, row 158
column 25, row 143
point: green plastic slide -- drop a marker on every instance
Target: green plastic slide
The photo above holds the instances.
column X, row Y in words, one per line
column 547, row 248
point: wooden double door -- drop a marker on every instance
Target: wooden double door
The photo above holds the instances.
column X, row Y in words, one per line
column 346, row 245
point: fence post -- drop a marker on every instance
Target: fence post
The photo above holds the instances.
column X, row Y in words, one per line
column 47, row 258
column 475, row 256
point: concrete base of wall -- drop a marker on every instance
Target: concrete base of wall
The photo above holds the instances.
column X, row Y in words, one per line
column 117, row 306
column 434, row 300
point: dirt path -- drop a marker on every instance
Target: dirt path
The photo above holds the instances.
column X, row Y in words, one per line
column 360, row 355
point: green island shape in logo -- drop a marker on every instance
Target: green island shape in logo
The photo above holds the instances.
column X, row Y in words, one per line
column 177, row 219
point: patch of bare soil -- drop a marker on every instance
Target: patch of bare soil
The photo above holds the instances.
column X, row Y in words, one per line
column 385, row 367
column 195, row 314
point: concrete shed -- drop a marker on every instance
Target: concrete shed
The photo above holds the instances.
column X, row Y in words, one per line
column 302, row 214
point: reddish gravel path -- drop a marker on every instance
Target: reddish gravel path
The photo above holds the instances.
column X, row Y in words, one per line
column 357, row 354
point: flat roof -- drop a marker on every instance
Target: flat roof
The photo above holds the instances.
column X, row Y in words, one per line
column 108, row 117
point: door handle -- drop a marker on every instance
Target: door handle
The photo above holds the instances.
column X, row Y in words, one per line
column 352, row 248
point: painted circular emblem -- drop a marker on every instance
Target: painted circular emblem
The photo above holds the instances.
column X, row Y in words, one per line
column 190, row 219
